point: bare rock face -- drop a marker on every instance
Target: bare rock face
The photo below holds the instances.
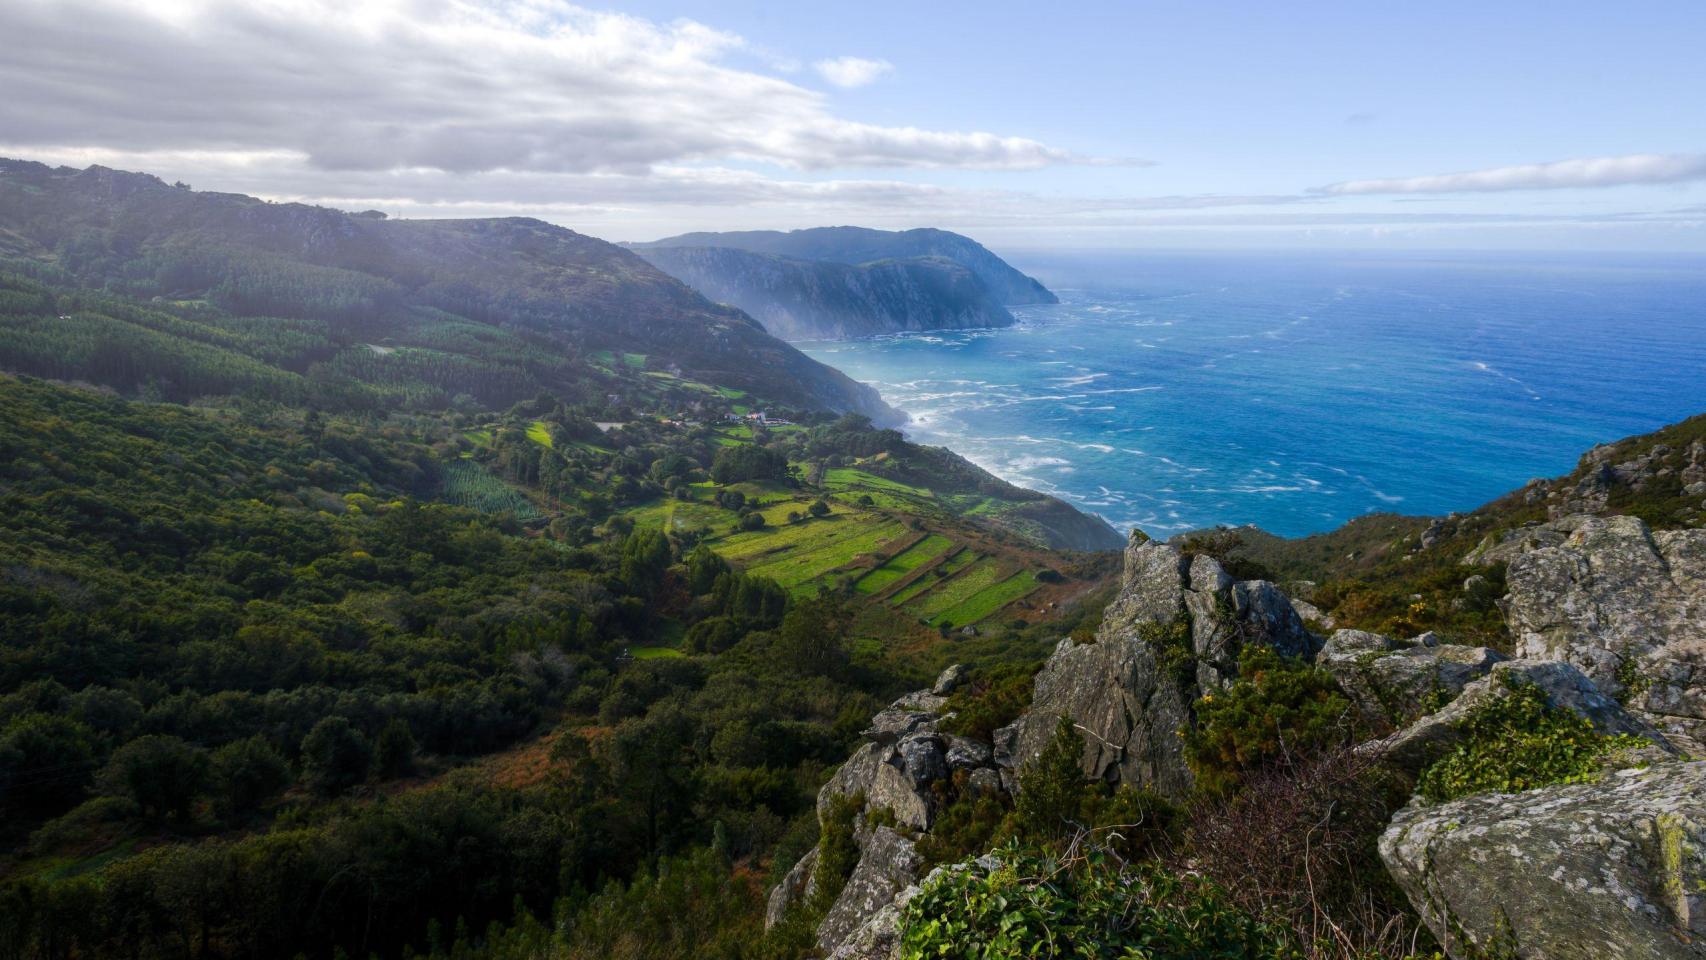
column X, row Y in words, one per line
column 887, row 865
column 1628, row 607
column 1392, row 682
column 1565, row 687
column 797, row 886
column 1613, row 870
column 1176, row 627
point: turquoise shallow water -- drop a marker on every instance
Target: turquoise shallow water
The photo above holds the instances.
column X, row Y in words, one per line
column 1173, row 392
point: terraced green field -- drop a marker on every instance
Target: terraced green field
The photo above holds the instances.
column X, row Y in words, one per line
column 958, row 560
column 798, row 554
column 539, row 433
column 903, row 563
column 988, row 601
column 949, row 594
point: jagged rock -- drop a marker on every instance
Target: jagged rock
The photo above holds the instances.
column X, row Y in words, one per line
column 1628, row 607
column 879, row 937
column 1310, row 613
column 1227, row 616
column 887, row 865
column 1565, row 687
column 1130, row 692
column 1127, row 707
column 950, row 680
column 797, row 886
column 984, row 782
column 1393, row 681
column 1612, row 870
column 964, row 753
column 915, row 712
column 903, row 757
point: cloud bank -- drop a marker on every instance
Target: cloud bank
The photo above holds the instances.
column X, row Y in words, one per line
column 852, row 71
column 530, row 85
column 1640, row 168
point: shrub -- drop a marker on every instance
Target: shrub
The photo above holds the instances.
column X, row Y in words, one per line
column 1519, row 742
column 1297, row 843
column 1052, row 787
column 161, row 774
column 1088, row 907
column 1280, row 708
column 992, row 699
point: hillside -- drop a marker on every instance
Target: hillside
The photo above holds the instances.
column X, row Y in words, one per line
column 855, row 245
column 823, row 300
column 496, row 309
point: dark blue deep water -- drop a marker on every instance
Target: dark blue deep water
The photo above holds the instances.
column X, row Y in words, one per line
column 1179, row 391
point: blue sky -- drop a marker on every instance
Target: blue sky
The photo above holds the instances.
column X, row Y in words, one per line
column 1514, row 125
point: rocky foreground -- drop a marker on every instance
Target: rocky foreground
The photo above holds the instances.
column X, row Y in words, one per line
column 1609, row 621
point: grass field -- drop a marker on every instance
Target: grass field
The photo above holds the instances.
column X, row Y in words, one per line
column 903, row 563
column 539, row 433
column 654, row 653
column 958, row 560
column 798, row 554
column 468, row 484
column 932, row 604
column 988, row 601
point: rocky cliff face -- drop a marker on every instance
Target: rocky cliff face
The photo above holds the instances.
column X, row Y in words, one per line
column 1626, row 605
column 823, row 300
column 1176, row 630
column 855, row 245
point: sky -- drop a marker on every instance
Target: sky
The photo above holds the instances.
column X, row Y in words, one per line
column 1509, row 125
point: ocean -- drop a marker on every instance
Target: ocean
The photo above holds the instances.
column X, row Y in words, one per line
column 1179, row 391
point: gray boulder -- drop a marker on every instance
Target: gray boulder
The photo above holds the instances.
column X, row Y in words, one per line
column 1627, row 606
column 888, row 864
column 1612, row 870
column 1565, row 687
column 950, row 680
column 1392, row 682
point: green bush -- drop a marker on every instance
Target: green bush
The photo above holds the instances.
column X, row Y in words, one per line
column 992, row 699
column 1034, row 907
column 1520, row 742
column 1279, row 707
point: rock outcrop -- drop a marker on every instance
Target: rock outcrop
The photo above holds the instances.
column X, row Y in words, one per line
column 887, row 865
column 1613, row 870
column 1176, row 628
column 1627, row 606
column 897, row 770
column 1393, row 682
column 1565, row 688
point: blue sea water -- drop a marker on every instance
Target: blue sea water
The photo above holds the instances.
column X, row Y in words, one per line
column 1179, row 391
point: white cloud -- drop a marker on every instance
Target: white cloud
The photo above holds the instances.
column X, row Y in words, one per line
column 852, row 71
column 448, row 85
column 1640, row 168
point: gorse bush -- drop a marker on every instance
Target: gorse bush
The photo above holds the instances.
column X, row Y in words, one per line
column 1517, row 742
column 1279, row 707
column 1035, row 907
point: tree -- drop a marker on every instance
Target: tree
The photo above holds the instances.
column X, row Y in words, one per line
column 1052, row 786
column 45, row 762
column 819, row 508
column 394, row 751
column 245, row 774
column 335, row 756
column 161, row 774
column 813, row 637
